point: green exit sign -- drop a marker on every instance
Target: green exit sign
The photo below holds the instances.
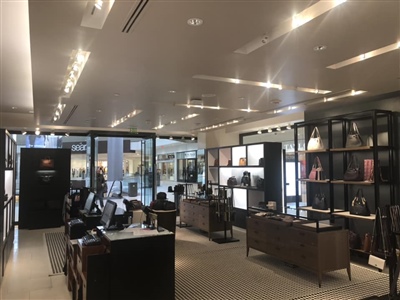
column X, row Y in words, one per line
column 133, row 130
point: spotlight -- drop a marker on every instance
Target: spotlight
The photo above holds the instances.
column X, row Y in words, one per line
column 269, row 130
column 289, row 127
column 37, row 131
column 278, row 129
column 259, row 132
column 52, row 134
column 23, row 132
column 99, row 4
column 171, row 138
column 193, row 138
column 66, row 134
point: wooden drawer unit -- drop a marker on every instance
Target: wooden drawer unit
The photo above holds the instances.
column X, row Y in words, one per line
column 316, row 251
column 201, row 215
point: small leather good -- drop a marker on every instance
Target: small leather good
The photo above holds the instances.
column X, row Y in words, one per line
column 315, row 141
column 353, row 137
column 353, row 172
column 242, row 161
column 316, row 170
column 359, row 205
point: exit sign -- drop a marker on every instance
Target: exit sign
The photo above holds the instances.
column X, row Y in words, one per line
column 133, row 130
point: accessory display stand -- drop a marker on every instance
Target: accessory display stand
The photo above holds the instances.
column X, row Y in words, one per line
column 225, row 214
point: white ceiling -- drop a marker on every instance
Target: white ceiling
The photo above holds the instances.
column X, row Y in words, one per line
column 162, row 53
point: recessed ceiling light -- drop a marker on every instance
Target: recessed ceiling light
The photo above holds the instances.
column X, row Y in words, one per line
column 195, row 21
column 37, row 131
column 98, row 110
column 259, row 132
column 320, row 48
column 208, row 95
column 116, row 94
column 14, row 107
column 172, row 91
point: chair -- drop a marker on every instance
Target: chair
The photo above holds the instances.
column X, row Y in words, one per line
column 166, row 219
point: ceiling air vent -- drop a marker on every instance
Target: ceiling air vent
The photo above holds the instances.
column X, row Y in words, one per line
column 135, row 15
column 70, row 114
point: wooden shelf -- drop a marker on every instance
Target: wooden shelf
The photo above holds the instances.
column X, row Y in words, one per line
column 316, row 181
column 362, row 148
column 346, row 214
column 352, row 182
column 313, row 151
column 326, row 211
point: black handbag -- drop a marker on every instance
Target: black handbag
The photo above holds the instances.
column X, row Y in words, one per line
column 359, row 205
column 353, row 172
column 232, row 181
column 260, row 183
column 246, row 179
column 320, row 202
column 261, row 162
column 353, row 137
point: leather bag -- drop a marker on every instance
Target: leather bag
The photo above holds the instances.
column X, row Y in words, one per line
column 232, row 181
column 320, row 202
column 368, row 170
column 47, row 163
column 316, row 170
column 260, row 183
column 242, row 161
column 315, row 141
column 246, row 179
column 353, row 172
column 359, row 205
column 353, row 137
column 261, row 162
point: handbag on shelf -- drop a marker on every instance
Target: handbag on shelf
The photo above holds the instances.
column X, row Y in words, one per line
column 316, row 170
column 242, row 161
column 229, row 163
column 47, row 163
column 359, row 205
column 320, row 201
column 368, row 170
column 261, row 162
column 232, row 181
column 246, row 179
column 353, row 137
column 216, row 162
column 315, row 141
column 380, row 242
column 260, row 183
column 353, row 172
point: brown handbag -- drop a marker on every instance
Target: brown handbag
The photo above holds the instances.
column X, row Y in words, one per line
column 47, row 163
column 242, row 161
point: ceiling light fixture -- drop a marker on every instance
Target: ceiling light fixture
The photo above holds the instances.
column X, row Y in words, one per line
column 193, row 138
column 195, row 22
column 226, row 123
column 37, row 131
column 99, row 4
column 365, row 56
column 126, row 117
column 52, row 134
column 259, row 132
column 261, row 84
column 269, row 130
column 58, row 112
column 66, row 134
column 23, row 132
column 299, row 19
column 320, row 48
column 215, row 107
column 75, row 67
column 171, row 138
column 190, row 116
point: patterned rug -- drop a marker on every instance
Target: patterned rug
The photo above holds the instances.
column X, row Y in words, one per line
column 206, row 270
column 55, row 243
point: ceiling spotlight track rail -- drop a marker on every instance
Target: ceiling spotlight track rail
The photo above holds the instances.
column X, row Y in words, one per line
column 135, row 15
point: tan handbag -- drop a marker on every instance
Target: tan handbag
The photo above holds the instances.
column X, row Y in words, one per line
column 242, row 161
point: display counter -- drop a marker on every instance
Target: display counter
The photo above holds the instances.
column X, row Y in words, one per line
column 206, row 215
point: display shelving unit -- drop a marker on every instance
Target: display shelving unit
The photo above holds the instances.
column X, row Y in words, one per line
column 375, row 126
column 7, row 184
column 223, row 163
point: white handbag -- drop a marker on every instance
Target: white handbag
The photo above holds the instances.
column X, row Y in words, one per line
column 315, row 142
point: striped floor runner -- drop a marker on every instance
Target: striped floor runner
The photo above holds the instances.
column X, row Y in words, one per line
column 55, row 242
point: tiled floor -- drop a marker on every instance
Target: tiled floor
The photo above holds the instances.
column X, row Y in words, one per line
column 27, row 275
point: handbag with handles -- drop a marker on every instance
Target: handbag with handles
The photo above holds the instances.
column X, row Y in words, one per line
column 359, row 205
column 320, row 201
column 353, row 172
column 315, row 141
column 353, row 137
column 368, row 170
column 242, row 161
column 316, row 170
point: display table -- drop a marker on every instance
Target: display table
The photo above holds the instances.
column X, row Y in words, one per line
column 203, row 215
column 301, row 243
column 124, row 265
